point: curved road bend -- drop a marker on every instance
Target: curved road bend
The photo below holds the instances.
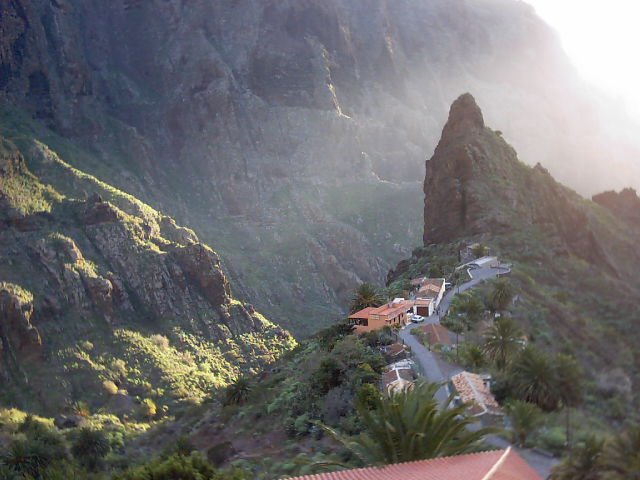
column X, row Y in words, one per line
column 431, row 370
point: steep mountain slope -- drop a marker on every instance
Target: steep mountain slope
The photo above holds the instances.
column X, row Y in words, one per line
column 477, row 177
column 97, row 286
column 290, row 134
column 625, row 204
column 576, row 265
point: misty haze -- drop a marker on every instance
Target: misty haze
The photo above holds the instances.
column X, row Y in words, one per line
column 319, row 239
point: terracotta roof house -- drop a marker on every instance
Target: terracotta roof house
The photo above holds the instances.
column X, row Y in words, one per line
column 394, row 351
column 437, row 334
column 474, row 391
column 398, row 376
column 429, row 294
column 389, row 314
column 494, row 465
column 397, row 380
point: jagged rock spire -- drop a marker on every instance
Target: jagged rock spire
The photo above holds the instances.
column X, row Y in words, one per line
column 464, row 116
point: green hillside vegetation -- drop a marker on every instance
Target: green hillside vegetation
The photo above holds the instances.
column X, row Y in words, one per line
column 261, row 426
column 110, row 294
column 315, row 384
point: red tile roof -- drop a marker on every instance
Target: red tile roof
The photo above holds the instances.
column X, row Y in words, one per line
column 430, row 290
column 493, row 465
column 391, row 309
column 394, row 349
column 421, row 281
column 438, row 335
column 364, row 313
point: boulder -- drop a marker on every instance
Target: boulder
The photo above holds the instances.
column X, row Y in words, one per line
column 69, row 421
column 97, row 211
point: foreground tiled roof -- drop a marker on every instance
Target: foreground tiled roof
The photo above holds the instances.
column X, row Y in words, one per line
column 493, row 465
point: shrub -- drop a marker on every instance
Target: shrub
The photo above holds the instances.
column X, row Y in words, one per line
column 81, row 409
column 337, row 404
column 553, row 440
column 184, row 446
column 118, row 369
column 32, row 455
column 148, row 408
column 327, row 376
column 160, row 341
column 525, row 419
column 220, row 452
column 238, row 392
column 86, row 345
column 193, row 467
column 110, row 387
column 90, row 448
column 364, row 374
column 367, row 396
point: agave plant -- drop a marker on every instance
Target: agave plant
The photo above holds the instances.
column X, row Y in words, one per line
column 238, row 392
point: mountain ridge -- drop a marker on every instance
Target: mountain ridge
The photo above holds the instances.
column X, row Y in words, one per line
column 219, row 115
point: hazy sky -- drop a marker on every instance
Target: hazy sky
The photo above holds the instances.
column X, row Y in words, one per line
column 602, row 37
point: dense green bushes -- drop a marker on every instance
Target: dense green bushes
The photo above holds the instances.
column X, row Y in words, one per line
column 179, row 467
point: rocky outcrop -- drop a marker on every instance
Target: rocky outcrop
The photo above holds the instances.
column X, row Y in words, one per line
column 625, row 205
column 18, row 337
column 98, row 211
column 201, row 267
column 102, row 266
column 476, row 186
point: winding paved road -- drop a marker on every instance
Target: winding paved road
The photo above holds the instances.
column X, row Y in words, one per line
column 433, row 373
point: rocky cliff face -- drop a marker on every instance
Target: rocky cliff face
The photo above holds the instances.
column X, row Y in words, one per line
column 575, row 262
column 105, row 270
column 625, row 204
column 290, row 134
column 476, row 186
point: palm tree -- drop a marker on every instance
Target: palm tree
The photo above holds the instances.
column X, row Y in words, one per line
column 410, row 425
column 502, row 294
column 238, row 392
column 90, row 447
column 474, row 356
column 570, row 386
column 583, row 463
column 534, row 379
column 469, row 307
column 525, row 419
column 502, row 341
column 366, row 296
column 457, row 326
column 620, row 459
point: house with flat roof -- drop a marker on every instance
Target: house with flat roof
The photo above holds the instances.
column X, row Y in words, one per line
column 373, row 318
column 492, row 465
column 484, row 262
